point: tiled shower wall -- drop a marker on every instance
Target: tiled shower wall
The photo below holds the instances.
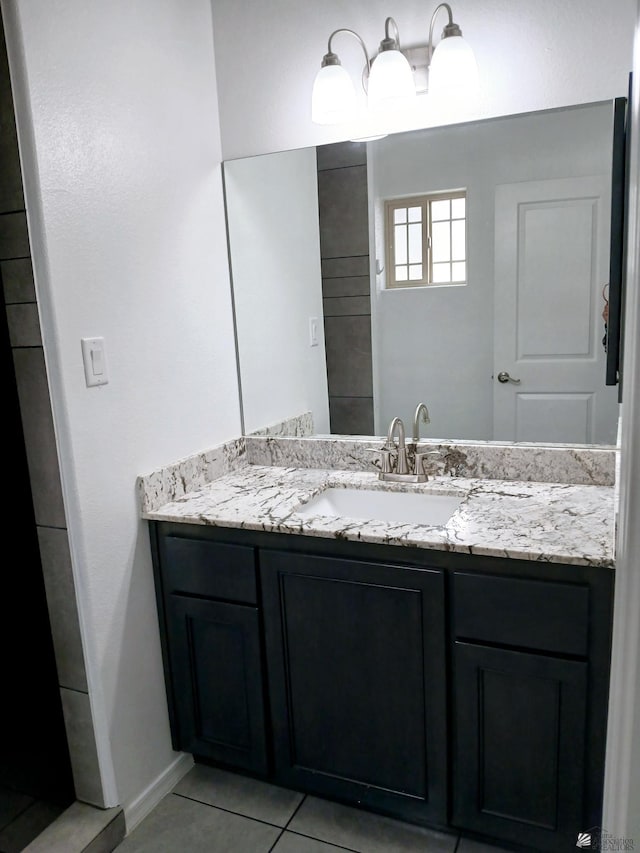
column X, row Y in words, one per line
column 344, row 250
column 19, row 292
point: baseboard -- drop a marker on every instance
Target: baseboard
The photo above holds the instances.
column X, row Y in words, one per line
column 159, row 788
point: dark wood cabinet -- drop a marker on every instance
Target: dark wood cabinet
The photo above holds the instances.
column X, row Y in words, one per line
column 519, row 745
column 213, row 650
column 356, row 656
column 449, row 690
column 217, row 680
column 529, row 705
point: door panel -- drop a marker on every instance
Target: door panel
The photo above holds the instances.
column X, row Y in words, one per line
column 520, row 745
column 559, row 417
column 356, row 666
column 378, row 685
column 218, row 691
column 551, row 256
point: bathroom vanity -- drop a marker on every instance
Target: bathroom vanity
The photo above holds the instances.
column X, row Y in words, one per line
column 454, row 676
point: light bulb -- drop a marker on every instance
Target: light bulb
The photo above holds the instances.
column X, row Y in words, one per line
column 391, row 83
column 333, row 99
column 453, row 73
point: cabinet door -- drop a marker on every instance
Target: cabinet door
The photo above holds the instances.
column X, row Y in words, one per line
column 214, row 650
column 519, row 745
column 356, row 661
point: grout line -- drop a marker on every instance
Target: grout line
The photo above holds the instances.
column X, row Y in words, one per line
column 338, row 168
column 296, row 810
column 323, row 841
column 455, row 849
column 228, row 811
column 275, row 842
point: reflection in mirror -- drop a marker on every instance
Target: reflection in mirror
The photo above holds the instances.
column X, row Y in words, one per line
column 460, row 266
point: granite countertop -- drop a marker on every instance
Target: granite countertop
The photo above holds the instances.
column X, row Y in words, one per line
column 549, row 522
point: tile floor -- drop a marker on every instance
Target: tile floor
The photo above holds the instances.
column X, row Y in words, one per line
column 213, row 810
column 22, row 818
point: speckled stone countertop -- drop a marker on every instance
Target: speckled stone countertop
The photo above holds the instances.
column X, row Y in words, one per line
column 548, row 522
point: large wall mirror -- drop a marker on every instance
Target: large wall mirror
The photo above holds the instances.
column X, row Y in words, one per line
column 465, row 267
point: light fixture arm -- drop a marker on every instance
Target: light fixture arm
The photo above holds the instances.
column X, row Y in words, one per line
column 390, row 42
column 451, row 29
column 330, row 58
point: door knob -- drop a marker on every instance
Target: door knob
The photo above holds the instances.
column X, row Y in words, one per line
column 503, row 376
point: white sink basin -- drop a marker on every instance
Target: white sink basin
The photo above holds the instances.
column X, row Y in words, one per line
column 430, row 509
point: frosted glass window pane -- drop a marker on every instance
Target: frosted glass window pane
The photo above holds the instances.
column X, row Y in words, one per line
column 441, row 273
column 401, row 244
column 459, row 272
column 400, row 215
column 415, row 272
column 458, row 206
column 458, row 240
column 415, row 214
column 415, row 243
column 441, row 242
column 440, row 210
column 401, row 273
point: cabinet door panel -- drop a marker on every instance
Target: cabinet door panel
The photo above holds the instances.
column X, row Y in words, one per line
column 356, row 693
column 356, row 668
column 218, row 691
column 519, row 745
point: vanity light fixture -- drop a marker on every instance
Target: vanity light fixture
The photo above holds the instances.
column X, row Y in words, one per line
column 453, row 71
column 333, row 99
column 388, row 79
column 391, row 83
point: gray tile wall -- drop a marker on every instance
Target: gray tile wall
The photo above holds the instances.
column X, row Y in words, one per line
column 16, row 276
column 344, row 249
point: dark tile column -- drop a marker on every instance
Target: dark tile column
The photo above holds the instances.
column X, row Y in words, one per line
column 344, row 249
column 66, row 757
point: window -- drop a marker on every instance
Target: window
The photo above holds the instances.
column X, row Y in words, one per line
column 426, row 239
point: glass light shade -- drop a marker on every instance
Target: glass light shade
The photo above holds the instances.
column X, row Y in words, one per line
column 391, row 83
column 333, row 99
column 453, row 72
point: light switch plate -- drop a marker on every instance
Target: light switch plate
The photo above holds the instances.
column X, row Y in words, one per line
column 95, row 361
column 313, row 331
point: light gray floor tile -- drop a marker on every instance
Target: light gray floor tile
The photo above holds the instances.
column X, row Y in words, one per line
column 240, row 794
column 366, row 832
column 81, row 828
column 29, row 824
column 467, row 845
column 11, row 804
column 179, row 824
column 289, row 842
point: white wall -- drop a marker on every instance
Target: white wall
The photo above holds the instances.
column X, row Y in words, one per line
column 272, row 208
column 622, row 791
column 119, row 136
column 118, row 127
column 436, row 344
column 531, row 56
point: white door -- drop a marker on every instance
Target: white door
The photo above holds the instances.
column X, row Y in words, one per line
column 551, row 264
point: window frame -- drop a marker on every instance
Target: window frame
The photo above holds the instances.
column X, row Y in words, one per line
column 423, row 201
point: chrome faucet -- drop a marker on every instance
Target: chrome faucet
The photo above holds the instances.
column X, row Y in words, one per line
column 402, row 466
column 401, row 472
column 421, row 409
column 389, row 450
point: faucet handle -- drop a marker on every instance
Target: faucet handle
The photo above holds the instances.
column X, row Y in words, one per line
column 386, row 457
column 420, row 460
column 386, row 466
